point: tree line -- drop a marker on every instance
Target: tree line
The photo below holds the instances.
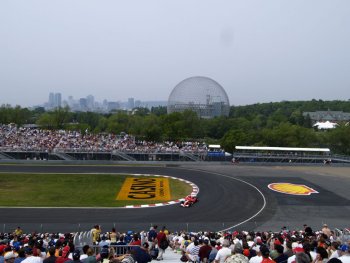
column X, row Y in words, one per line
column 262, row 124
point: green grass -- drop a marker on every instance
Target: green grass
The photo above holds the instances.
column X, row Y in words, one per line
column 71, row 190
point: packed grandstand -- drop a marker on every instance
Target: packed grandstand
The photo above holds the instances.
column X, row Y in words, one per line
column 95, row 245
column 33, row 139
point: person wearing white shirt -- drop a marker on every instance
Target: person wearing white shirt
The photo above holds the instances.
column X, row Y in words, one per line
column 223, row 253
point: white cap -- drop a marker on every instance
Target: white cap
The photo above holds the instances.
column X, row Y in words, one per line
column 9, row 255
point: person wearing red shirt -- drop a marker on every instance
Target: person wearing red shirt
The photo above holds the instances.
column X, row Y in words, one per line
column 135, row 240
column 161, row 236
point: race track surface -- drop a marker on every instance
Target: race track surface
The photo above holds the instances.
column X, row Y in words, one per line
column 231, row 197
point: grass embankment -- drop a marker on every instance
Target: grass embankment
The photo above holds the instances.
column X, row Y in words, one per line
column 71, row 190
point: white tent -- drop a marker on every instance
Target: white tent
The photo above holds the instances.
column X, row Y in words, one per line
column 325, row 125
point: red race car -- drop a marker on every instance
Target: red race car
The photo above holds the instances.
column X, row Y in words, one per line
column 189, row 201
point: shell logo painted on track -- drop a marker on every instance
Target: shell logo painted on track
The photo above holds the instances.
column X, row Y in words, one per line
column 292, row 189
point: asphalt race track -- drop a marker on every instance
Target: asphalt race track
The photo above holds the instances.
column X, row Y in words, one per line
column 231, row 197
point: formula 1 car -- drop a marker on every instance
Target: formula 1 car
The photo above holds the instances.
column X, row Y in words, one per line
column 190, row 200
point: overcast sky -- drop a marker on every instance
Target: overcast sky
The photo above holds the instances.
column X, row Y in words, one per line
column 259, row 51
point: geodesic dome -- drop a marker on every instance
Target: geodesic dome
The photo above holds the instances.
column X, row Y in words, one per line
column 202, row 95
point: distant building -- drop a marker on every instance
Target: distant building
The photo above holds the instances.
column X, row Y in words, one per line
column 83, row 104
column 55, row 100
column 51, row 100
column 131, row 103
column 202, row 95
column 137, row 103
column 113, row 105
column 90, row 102
column 330, row 116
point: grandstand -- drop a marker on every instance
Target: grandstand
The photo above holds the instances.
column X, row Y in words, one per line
column 254, row 154
column 26, row 143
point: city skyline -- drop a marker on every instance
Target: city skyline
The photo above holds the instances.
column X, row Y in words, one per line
column 258, row 51
column 88, row 103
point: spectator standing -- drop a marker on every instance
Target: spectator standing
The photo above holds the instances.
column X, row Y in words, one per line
column 96, row 231
column 18, row 231
column 162, row 243
column 152, row 236
column 325, row 230
column 113, row 236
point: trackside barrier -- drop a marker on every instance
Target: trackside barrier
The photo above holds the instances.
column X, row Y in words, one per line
column 116, row 250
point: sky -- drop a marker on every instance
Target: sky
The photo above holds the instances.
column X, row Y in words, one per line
column 258, row 51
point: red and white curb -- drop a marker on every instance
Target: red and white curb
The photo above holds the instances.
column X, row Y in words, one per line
column 195, row 191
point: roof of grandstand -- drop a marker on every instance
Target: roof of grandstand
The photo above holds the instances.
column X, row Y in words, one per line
column 264, row 148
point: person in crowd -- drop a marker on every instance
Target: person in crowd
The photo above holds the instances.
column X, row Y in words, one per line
column 204, row 251
column 192, row 251
column 302, row 258
column 21, row 255
column 10, row 257
column 308, row 230
column 51, row 258
column 152, row 236
column 344, row 256
column 265, row 253
column 142, row 254
column 104, row 255
column 113, row 236
column 91, row 258
column 30, row 258
column 281, row 257
column 96, row 231
column 322, row 255
column 120, row 246
column 64, row 255
column 103, row 242
column 258, row 258
column 213, row 251
column 223, row 253
column 325, row 230
column 333, row 250
column 162, row 242
column 136, row 241
column 76, row 257
column 237, row 256
column 18, row 231
column 84, row 254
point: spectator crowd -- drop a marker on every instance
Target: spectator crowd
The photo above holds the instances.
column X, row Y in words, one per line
column 285, row 246
column 15, row 138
